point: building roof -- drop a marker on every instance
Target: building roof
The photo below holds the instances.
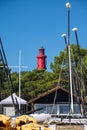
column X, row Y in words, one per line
column 60, row 94
column 8, row 100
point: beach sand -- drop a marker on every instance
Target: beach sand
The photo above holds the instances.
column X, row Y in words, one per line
column 70, row 127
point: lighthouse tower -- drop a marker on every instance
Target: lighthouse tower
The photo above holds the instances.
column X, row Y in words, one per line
column 41, row 59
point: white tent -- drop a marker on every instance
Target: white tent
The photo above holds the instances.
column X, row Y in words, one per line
column 8, row 100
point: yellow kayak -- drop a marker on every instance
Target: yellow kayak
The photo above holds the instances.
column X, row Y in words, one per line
column 5, row 122
column 24, row 119
column 34, row 126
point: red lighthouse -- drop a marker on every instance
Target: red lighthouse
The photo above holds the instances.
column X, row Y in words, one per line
column 41, row 59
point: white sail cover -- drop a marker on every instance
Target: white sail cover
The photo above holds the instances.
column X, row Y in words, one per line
column 17, row 99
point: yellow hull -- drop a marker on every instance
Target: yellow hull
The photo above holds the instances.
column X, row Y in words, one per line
column 23, row 122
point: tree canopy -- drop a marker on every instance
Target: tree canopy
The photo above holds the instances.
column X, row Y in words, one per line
column 36, row 82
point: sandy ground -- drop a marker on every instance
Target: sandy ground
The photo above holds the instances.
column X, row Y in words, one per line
column 69, row 127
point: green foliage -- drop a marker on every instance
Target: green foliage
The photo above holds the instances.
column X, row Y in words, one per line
column 33, row 83
column 36, row 82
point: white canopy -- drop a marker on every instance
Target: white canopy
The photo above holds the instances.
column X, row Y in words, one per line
column 8, row 100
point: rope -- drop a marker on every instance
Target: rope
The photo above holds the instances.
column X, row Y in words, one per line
column 57, row 85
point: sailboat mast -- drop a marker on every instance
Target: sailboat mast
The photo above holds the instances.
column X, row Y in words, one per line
column 81, row 76
column 68, row 5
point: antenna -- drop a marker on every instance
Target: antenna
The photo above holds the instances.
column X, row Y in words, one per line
column 20, row 68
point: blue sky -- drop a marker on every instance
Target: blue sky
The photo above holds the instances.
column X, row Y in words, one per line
column 27, row 25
